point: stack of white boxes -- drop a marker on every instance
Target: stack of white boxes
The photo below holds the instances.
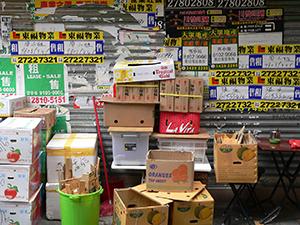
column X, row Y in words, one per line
column 20, row 170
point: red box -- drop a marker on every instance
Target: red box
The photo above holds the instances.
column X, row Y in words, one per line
column 179, row 123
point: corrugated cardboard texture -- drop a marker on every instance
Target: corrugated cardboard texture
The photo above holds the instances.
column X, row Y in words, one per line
column 130, row 207
column 200, row 210
column 231, row 166
column 181, row 90
column 168, row 170
column 47, row 115
column 131, row 115
column 166, row 87
column 196, row 90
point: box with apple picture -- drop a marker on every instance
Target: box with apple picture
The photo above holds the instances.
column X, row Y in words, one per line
column 20, row 140
column 25, row 213
column 20, row 182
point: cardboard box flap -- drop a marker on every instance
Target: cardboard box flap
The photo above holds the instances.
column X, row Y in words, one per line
column 20, row 123
column 170, row 155
column 132, row 198
column 165, row 197
column 73, row 141
column 203, row 196
column 141, row 188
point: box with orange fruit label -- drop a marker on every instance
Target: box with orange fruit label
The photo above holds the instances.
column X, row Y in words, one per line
column 131, row 207
column 168, row 170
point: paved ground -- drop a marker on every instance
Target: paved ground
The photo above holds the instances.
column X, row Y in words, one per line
column 289, row 215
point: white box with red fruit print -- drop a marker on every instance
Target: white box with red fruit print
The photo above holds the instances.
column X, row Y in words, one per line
column 23, row 213
column 169, row 170
column 20, row 182
column 20, row 140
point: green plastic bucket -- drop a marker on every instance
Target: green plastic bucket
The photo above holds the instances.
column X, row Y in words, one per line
column 80, row 209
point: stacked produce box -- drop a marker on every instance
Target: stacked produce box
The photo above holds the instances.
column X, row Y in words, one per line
column 20, row 170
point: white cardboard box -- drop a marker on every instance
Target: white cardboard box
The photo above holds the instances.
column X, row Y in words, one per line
column 8, row 104
column 19, row 183
column 80, row 147
column 20, row 140
column 52, row 202
column 25, row 213
column 144, row 70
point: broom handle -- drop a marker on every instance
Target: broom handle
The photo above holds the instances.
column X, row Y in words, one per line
column 102, row 151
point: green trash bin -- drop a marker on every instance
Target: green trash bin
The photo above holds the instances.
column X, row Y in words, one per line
column 80, row 209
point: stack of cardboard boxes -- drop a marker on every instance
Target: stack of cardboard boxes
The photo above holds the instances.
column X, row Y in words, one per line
column 20, row 169
column 170, row 195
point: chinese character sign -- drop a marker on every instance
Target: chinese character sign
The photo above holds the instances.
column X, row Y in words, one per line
column 45, row 84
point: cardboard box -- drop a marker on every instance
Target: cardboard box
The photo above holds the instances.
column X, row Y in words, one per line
column 20, row 182
column 130, row 207
column 48, row 115
column 196, row 94
column 235, row 163
column 168, row 170
column 200, row 210
column 151, row 91
column 21, row 140
column 185, row 207
column 166, row 92
column 144, row 70
column 181, row 99
column 117, row 114
column 8, row 104
column 82, row 148
column 25, row 213
column 122, row 92
column 52, row 202
column 179, row 123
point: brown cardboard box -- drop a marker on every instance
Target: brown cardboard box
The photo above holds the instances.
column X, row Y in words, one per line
column 196, row 90
column 200, row 210
column 122, row 92
column 181, row 89
column 168, row 170
column 167, row 87
column 136, row 92
column 131, row 207
column 151, row 91
column 186, row 207
column 47, row 115
column 235, row 163
column 120, row 114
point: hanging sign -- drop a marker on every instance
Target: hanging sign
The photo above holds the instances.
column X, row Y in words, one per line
column 269, row 49
column 8, row 78
column 37, row 47
column 224, row 48
column 254, row 89
column 46, row 84
column 195, row 48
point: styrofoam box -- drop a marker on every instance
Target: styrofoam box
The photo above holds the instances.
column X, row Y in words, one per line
column 198, row 147
column 80, row 147
column 130, row 148
column 52, row 202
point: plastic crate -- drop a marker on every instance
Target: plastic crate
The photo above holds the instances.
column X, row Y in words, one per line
column 130, row 148
column 198, row 147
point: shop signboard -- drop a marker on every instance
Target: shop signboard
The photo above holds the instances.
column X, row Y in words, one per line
column 195, row 50
column 258, row 90
column 46, row 84
column 50, row 47
column 224, row 49
column 8, row 77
